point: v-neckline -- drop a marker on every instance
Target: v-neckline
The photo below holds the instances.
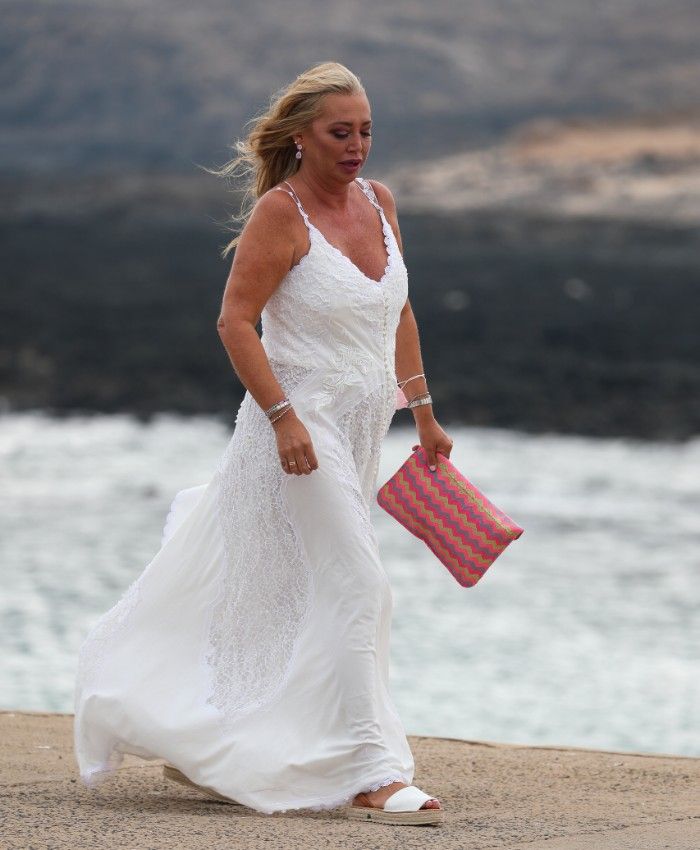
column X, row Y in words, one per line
column 345, row 257
column 386, row 240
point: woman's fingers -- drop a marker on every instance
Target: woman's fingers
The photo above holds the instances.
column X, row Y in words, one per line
column 300, row 461
column 296, row 451
column 302, row 467
column 445, row 450
column 434, row 447
column 311, row 455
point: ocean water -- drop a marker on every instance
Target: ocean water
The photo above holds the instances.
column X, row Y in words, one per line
column 585, row 632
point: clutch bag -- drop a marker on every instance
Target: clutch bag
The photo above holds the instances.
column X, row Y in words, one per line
column 449, row 513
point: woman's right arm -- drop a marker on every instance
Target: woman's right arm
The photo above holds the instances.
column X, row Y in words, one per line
column 262, row 258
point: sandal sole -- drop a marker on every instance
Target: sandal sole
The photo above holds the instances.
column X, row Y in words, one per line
column 422, row 817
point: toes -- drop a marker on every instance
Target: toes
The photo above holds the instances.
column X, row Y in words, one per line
column 432, row 803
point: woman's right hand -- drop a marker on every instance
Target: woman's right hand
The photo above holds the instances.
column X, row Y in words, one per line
column 294, row 445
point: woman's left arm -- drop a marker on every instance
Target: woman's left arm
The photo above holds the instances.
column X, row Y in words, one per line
column 408, row 355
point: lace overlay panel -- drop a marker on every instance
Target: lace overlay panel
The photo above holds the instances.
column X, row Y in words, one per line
column 265, row 583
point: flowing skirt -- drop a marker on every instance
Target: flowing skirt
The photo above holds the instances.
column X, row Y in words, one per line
column 161, row 673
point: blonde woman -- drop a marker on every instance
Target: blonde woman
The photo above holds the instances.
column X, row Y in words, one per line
column 252, row 653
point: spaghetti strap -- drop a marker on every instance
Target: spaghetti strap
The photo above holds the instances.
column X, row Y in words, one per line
column 368, row 189
column 292, row 194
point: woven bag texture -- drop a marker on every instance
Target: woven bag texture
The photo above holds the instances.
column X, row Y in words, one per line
column 457, row 522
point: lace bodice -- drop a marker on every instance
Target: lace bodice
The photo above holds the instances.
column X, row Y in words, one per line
column 328, row 314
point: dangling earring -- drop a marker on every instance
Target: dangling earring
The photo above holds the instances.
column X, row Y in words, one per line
column 298, row 153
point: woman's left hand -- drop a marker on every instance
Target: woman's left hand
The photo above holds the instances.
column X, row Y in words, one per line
column 434, row 440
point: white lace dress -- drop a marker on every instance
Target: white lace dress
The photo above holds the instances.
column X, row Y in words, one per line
column 253, row 651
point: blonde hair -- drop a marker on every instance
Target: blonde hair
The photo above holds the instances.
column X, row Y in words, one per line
column 268, row 154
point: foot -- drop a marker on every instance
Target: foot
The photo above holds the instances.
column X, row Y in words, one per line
column 376, row 799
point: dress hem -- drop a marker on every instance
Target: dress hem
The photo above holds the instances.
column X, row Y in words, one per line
column 95, row 776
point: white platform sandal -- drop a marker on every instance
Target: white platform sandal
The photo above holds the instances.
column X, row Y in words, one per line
column 401, row 807
column 172, row 773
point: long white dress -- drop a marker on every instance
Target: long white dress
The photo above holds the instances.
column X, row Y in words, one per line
column 253, row 651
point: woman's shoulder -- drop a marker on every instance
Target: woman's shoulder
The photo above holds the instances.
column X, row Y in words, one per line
column 272, row 221
column 275, row 197
column 277, row 206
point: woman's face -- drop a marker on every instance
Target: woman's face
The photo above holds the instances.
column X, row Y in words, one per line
column 341, row 133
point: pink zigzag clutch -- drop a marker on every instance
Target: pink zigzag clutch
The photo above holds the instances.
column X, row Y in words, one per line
column 449, row 513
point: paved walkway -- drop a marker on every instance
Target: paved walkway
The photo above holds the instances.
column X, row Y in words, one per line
column 494, row 795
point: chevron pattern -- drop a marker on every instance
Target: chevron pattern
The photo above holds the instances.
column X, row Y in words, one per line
column 449, row 513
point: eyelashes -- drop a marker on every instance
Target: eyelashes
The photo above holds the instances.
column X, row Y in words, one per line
column 344, row 136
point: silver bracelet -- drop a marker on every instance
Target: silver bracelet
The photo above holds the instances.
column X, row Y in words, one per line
column 280, row 415
column 277, row 406
column 419, row 395
column 417, row 402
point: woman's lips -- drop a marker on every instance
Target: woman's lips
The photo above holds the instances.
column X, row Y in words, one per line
column 351, row 165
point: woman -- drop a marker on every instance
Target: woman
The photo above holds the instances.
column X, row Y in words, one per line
column 252, row 653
